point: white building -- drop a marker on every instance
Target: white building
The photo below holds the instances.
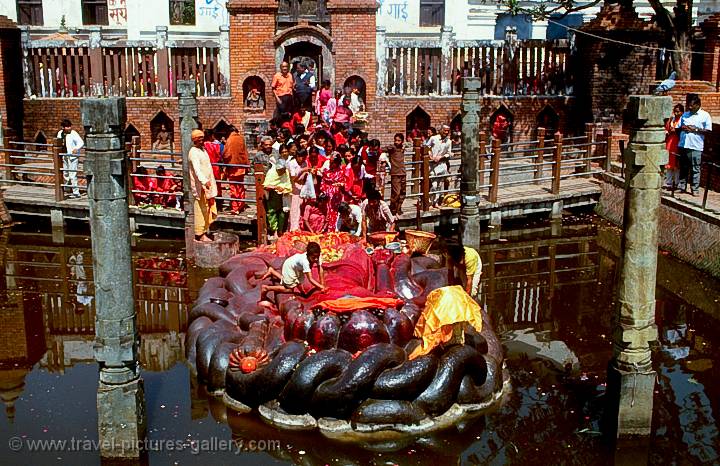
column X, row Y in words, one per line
column 199, row 19
column 486, row 19
column 185, row 19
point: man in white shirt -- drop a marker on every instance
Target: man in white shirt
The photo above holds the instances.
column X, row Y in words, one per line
column 295, row 271
column 694, row 125
column 203, row 187
column 350, row 219
column 73, row 143
column 440, row 152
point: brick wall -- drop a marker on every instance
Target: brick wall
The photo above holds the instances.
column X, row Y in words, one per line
column 45, row 114
column 608, row 72
column 12, row 333
column 389, row 113
column 353, row 33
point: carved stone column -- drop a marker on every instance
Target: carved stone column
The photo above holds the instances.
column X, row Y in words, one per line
column 27, row 77
column 120, row 401
column 381, row 58
column 188, row 109
column 446, row 40
column 631, row 379
column 224, row 64
column 469, row 214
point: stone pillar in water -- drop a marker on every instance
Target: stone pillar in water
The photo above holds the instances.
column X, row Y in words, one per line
column 631, row 379
column 469, row 214
column 120, row 400
column 188, row 109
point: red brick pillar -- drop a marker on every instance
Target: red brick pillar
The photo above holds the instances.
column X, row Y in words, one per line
column 353, row 31
column 252, row 29
column 711, row 63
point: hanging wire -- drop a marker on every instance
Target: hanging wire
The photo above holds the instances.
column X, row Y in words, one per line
column 607, row 39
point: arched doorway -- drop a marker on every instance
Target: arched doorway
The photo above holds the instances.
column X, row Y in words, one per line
column 417, row 122
column 309, row 44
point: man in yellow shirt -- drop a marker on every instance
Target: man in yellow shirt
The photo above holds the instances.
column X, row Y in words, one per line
column 465, row 265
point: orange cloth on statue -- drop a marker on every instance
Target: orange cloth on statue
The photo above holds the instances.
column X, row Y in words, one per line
column 355, row 304
column 444, row 307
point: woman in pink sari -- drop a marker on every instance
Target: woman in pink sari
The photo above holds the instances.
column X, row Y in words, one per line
column 322, row 98
column 332, row 191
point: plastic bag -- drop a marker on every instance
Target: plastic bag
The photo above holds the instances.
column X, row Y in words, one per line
column 308, row 189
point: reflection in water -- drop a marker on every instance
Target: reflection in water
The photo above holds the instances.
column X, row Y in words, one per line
column 550, row 295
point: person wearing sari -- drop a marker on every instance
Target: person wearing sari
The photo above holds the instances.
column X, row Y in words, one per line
column 355, row 181
column 672, row 138
column 322, row 98
column 316, row 161
column 332, row 189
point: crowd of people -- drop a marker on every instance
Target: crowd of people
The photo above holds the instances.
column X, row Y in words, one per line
column 330, row 179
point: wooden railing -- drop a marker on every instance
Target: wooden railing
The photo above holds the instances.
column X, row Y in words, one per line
column 544, row 162
column 140, row 71
column 528, row 67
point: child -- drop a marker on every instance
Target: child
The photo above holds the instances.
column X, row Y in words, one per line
column 381, row 176
column 295, row 270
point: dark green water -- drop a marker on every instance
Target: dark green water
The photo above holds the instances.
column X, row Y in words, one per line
column 550, row 293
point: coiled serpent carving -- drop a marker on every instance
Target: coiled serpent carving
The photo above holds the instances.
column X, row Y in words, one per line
column 350, row 367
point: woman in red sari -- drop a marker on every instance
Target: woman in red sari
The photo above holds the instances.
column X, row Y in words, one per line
column 672, row 138
column 355, row 181
column 332, row 190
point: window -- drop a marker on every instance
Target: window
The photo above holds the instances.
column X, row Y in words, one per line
column 556, row 31
column 521, row 22
column 182, row 12
column 432, row 12
column 95, row 12
column 30, row 12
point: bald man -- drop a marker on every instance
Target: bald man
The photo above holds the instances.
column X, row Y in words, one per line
column 203, row 187
column 282, row 86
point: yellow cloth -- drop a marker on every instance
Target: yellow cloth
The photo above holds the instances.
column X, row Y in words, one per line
column 444, row 307
column 472, row 261
column 205, row 212
column 278, row 182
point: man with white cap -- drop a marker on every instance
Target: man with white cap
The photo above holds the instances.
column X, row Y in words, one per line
column 203, row 187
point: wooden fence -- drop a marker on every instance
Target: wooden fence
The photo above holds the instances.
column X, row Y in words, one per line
column 141, row 71
column 529, row 67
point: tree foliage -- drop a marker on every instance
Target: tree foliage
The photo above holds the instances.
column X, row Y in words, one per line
column 675, row 22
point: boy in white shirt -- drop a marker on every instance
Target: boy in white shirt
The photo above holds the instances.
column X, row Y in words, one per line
column 295, row 270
